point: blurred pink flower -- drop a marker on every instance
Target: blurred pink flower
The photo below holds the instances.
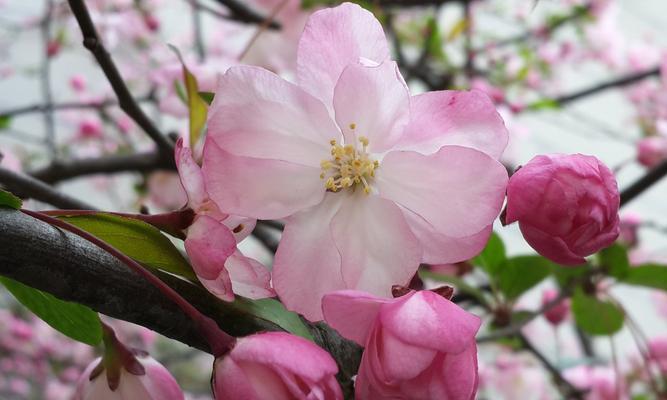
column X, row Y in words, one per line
column 600, row 382
column 660, row 302
column 557, row 313
column 370, row 180
column 566, row 205
column 155, row 384
column 78, row 83
column 652, row 150
column 417, row 346
column 629, row 226
column 657, row 352
column 276, row 365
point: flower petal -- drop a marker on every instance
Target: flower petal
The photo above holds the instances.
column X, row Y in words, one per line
column 259, row 188
column 352, row 313
column 332, row 39
column 442, row 249
column 208, row 244
column 258, row 114
column 249, row 278
column 450, row 117
column 191, row 176
column 458, row 190
column 307, row 263
column 551, row 247
column 376, row 246
column 428, row 320
column 373, row 102
column 403, row 361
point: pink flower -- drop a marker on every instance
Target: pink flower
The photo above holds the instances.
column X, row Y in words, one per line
column 629, row 226
column 370, row 180
column 156, row 383
column 660, row 302
column 90, row 128
column 600, row 382
column 651, row 151
column 78, row 83
column 276, row 365
column 417, row 346
column 556, row 314
column 657, row 352
column 566, row 205
column 212, row 238
column 53, row 48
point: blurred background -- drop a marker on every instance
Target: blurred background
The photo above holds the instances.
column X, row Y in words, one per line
column 571, row 76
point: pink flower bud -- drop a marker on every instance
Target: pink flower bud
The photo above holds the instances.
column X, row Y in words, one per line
column 90, row 128
column 78, row 83
column 52, row 48
column 152, row 23
column 651, row 151
column 417, row 346
column 556, row 314
column 155, row 384
column 657, row 352
column 566, row 205
column 276, row 365
column 630, row 223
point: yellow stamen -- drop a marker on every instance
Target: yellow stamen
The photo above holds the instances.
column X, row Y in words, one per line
column 349, row 166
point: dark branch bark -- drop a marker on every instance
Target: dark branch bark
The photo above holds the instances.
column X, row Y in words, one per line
column 28, row 187
column 73, row 269
column 418, row 3
column 141, row 162
column 73, row 105
column 244, row 14
column 643, row 183
column 614, row 83
column 92, row 42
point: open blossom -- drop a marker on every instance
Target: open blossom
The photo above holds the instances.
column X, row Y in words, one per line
column 370, row 180
column 156, row 383
column 417, row 346
column 211, row 240
column 566, row 205
column 276, row 365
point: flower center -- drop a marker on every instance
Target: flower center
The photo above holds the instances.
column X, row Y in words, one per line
column 348, row 167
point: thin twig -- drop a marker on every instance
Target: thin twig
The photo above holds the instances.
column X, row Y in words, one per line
column 262, row 27
column 568, row 390
column 643, row 183
column 73, row 105
column 197, row 32
column 140, row 162
column 244, row 14
column 93, row 43
column 45, row 79
column 27, row 186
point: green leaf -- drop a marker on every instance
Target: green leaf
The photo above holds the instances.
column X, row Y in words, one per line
column 649, row 275
column 9, row 200
column 544, row 104
column 457, row 282
column 197, row 106
column 274, row 311
column 595, row 316
column 136, row 239
column 565, row 274
column 5, row 121
column 615, row 260
column 207, row 97
column 518, row 274
column 493, row 255
column 72, row 319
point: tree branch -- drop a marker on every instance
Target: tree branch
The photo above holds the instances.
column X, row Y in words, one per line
column 613, row 83
column 27, row 186
column 244, row 14
column 74, row 269
column 140, row 162
column 73, row 105
column 643, row 183
column 92, row 42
